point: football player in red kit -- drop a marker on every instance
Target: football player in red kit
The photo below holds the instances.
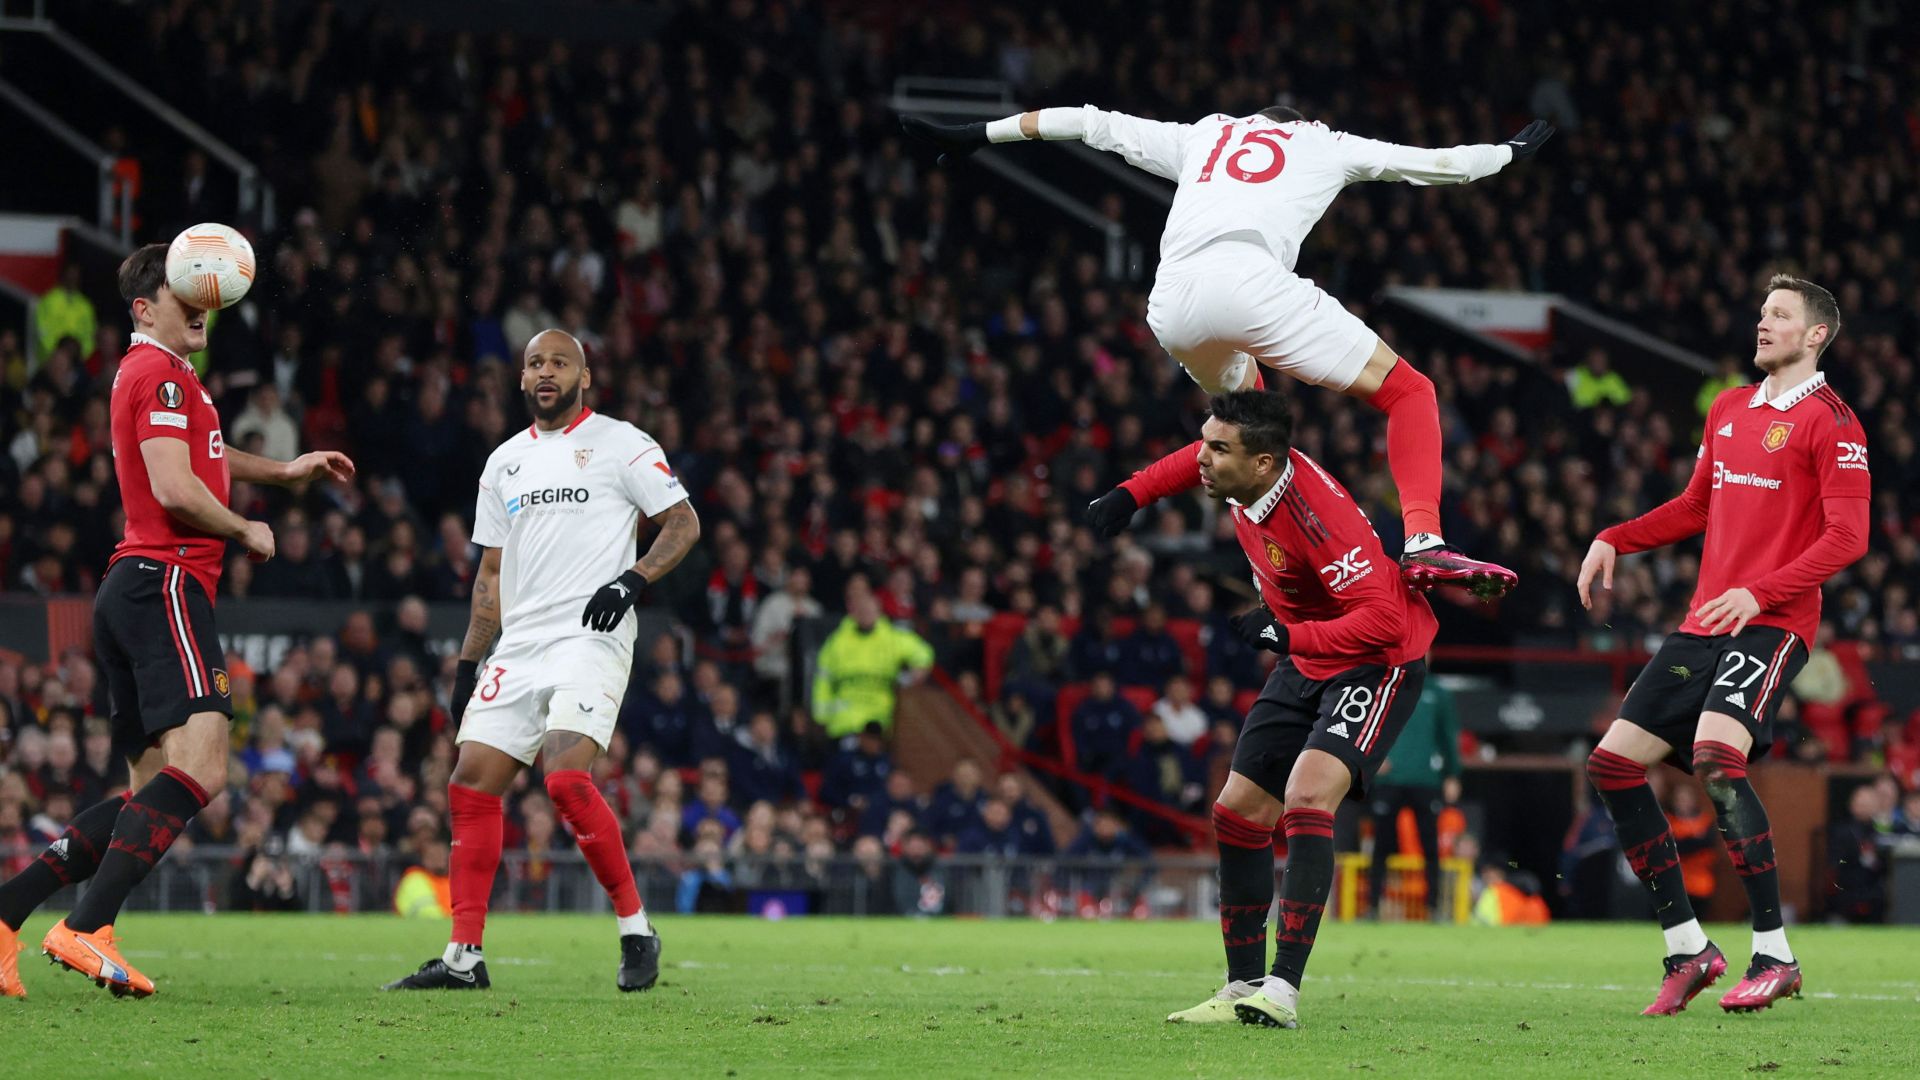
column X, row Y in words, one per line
column 1351, row 637
column 1782, row 491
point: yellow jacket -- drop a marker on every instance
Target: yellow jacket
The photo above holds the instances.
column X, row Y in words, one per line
column 853, row 684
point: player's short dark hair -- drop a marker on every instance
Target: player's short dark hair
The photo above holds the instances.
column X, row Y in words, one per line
column 142, row 274
column 1264, row 419
column 1282, row 113
column 1821, row 306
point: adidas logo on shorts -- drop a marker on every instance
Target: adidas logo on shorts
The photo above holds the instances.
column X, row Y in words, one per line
column 1737, row 699
column 1339, row 729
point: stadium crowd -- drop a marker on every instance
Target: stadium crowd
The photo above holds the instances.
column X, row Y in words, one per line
column 886, row 383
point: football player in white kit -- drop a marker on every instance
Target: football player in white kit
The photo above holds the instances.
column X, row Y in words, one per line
column 1226, row 301
column 556, row 520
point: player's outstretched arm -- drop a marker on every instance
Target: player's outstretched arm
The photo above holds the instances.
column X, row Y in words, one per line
column 1371, row 159
column 317, row 465
column 183, row 495
column 483, row 628
column 1676, row 519
column 678, row 528
column 1152, row 145
column 1179, row 471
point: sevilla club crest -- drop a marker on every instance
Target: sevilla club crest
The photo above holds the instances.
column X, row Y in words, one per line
column 1776, row 436
column 581, row 457
column 1276, row 557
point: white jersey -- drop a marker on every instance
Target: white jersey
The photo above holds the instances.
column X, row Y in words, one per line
column 1264, row 180
column 564, row 507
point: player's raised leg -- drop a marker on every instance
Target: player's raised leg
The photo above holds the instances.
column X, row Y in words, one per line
column 1243, row 824
column 1720, row 760
column 1314, row 790
column 567, row 757
column 1415, row 456
column 156, row 814
column 1618, row 769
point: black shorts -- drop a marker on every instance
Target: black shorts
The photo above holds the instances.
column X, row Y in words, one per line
column 153, row 637
column 1355, row 716
column 1744, row 676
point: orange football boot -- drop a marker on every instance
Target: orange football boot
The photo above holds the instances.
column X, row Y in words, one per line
column 95, row 956
column 10, row 984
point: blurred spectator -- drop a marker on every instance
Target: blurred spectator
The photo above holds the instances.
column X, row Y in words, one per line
column 1856, row 867
column 772, row 634
column 919, row 884
column 1152, row 656
column 1595, row 383
column 857, row 774
column 1421, row 776
column 64, row 313
column 762, row 769
column 424, row 891
column 859, row 666
column 1103, row 725
column 264, row 418
column 955, row 807
column 1184, row 720
column 267, row 884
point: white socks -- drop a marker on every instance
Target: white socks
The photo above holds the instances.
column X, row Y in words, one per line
column 460, row 957
column 1686, row 939
column 1419, row 542
column 1773, row 943
column 636, row 923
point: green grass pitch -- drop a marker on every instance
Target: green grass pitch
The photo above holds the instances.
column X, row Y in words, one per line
column 296, row 996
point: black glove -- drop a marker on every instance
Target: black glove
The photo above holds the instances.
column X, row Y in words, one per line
column 1531, row 139
column 1261, row 630
column 466, row 676
column 1108, row 515
column 955, row 141
column 610, row 604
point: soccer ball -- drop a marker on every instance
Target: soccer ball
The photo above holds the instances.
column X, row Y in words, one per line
column 210, row 266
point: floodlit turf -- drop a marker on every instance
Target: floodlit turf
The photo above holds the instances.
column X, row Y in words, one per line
column 297, row 996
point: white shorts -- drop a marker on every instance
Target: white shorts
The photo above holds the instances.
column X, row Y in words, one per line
column 528, row 689
column 1231, row 304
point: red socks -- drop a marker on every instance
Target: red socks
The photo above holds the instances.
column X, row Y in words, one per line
column 597, row 832
column 1414, row 454
column 477, row 838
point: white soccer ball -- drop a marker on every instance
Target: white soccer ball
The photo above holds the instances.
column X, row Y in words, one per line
column 210, row 266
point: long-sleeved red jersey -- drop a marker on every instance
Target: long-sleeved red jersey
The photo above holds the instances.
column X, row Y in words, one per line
column 1782, row 490
column 1318, row 565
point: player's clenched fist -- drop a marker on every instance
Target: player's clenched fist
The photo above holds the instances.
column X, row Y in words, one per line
column 955, row 141
column 608, row 606
column 257, row 538
column 1261, row 630
column 1599, row 562
column 1108, row 515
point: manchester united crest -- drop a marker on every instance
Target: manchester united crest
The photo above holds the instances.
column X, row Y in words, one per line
column 220, row 684
column 581, row 457
column 1276, row 557
column 1776, row 436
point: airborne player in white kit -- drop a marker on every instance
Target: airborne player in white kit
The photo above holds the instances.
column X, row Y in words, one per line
column 556, row 517
column 1226, row 299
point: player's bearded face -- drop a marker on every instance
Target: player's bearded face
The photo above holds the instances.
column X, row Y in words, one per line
column 552, row 386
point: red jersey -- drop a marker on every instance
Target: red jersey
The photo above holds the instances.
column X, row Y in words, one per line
column 1782, row 490
column 156, row 395
column 1318, row 565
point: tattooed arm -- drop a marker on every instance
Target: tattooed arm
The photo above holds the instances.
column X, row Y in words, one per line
column 483, row 626
column 679, row 527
